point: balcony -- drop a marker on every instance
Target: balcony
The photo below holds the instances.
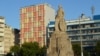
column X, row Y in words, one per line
column 88, row 45
column 1, row 34
column 2, row 29
column 86, row 28
column 0, row 44
column 2, row 20
column 1, row 39
column 84, row 34
column 84, row 39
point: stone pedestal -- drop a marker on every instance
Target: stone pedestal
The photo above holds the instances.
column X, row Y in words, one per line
column 60, row 45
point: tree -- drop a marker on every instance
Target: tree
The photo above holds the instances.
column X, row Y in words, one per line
column 30, row 49
column 43, row 51
column 85, row 53
column 97, row 48
column 15, row 49
column 76, row 49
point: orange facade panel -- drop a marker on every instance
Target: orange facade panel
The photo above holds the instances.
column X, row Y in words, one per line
column 32, row 20
column 29, row 9
column 22, row 36
column 42, row 23
column 39, row 39
column 40, row 18
column 31, row 39
column 35, row 34
column 34, row 9
column 25, row 30
column 41, row 7
column 23, row 15
column 29, row 25
column 39, row 28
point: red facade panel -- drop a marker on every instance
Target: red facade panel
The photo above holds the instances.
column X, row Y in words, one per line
column 39, row 39
column 36, row 25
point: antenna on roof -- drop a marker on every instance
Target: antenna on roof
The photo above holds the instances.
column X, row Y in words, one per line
column 92, row 11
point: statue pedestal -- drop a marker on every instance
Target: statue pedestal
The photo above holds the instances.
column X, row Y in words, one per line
column 60, row 45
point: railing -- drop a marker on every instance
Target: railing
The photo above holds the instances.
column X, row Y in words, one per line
column 82, row 28
column 92, row 33
column 1, row 39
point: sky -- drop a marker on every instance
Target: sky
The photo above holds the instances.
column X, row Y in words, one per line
column 10, row 9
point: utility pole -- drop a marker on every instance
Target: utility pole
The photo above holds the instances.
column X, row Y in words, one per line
column 81, row 35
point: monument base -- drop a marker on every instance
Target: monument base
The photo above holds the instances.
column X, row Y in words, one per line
column 60, row 45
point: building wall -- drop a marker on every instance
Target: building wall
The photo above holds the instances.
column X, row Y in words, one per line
column 9, row 38
column 90, row 31
column 2, row 24
column 16, row 36
column 33, row 23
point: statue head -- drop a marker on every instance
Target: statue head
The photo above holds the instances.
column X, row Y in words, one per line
column 60, row 11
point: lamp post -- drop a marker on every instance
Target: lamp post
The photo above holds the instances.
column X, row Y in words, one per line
column 81, row 36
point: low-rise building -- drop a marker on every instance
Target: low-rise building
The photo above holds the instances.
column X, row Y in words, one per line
column 86, row 28
column 9, row 38
column 2, row 25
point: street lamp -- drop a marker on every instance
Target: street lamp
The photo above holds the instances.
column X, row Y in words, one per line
column 81, row 35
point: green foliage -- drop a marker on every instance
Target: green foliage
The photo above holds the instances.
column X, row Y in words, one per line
column 85, row 53
column 76, row 49
column 29, row 49
column 42, row 51
column 15, row 48
column 97, row 48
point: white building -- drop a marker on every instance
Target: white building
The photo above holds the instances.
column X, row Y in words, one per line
column 2, row 25
column 9, row 38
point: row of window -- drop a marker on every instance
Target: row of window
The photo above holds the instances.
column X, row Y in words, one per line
column 86, row 37
column 83, row 26
column 32, row 34
column 32, row 25
column 84, row 31
column 32, row 8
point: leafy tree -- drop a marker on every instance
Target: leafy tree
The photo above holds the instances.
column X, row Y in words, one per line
column 97, row 48
column 85, row 53
column 42, row 51
column 15, row 49
column 76, row 49
column 29, row 49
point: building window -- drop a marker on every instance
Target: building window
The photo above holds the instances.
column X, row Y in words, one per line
column 51, row 28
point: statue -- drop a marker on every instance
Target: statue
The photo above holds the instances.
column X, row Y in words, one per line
column 60, row 25
column 60, row 44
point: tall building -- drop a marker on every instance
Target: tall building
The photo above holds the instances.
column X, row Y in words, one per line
column 90, row 31
column 34, row 20
column 9, row 38
column 2, row 25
